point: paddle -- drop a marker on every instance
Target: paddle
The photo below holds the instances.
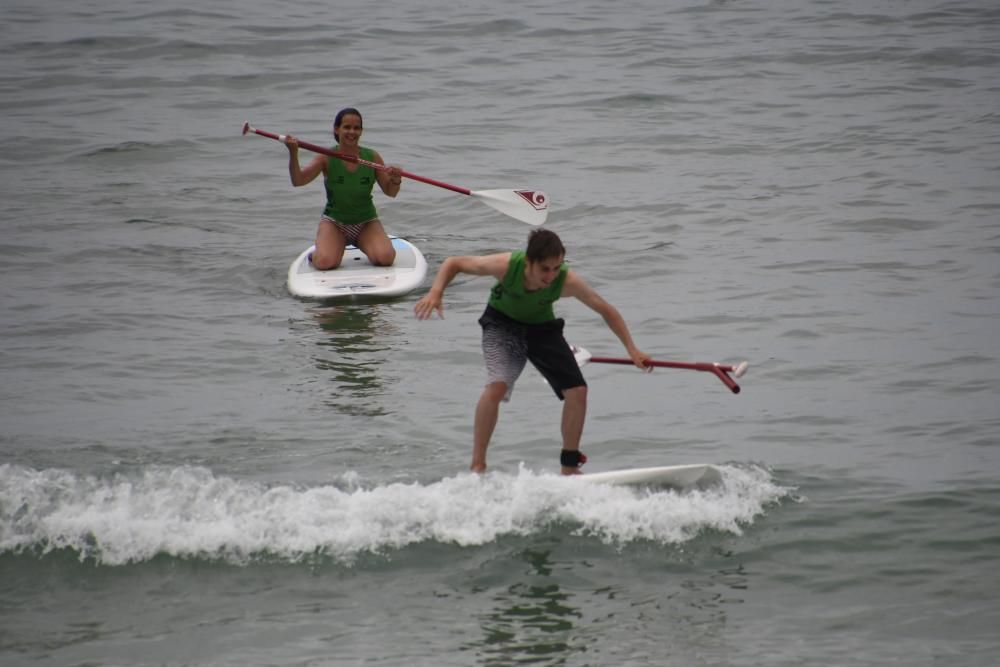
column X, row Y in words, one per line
column 722, row 371
column 529, row 206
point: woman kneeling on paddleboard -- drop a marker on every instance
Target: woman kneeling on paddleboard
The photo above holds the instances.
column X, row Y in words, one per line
column 519, row 325
column 349, row 216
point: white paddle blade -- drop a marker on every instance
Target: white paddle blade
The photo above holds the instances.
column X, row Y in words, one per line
column 581, row 354
column 741, row 369
column 530, row 206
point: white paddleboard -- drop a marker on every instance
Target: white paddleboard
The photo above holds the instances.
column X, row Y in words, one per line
column 357, row 277
column 680, row 477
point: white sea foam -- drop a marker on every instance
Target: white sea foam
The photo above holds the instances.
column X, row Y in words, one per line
column 190, row 512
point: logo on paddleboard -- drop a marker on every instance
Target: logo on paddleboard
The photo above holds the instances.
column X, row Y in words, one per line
column 536, row 198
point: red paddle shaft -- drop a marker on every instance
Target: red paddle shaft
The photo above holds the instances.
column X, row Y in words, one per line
column 722, row 371
column 316, row 148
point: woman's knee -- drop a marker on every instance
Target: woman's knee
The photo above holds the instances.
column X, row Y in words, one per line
column 383, row 256
column 376, row 244
column 324, row 261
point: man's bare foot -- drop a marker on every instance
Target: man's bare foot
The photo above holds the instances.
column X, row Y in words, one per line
column 478, row 468
column 571, row 471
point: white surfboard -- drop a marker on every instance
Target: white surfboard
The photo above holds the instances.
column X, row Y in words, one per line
column 357, row 277
column 679, row 477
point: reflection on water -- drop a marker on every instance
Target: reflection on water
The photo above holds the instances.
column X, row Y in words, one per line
column 533, row 621
column 351, row 355
column 548, row 615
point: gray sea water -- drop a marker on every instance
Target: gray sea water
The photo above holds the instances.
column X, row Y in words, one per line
column 198, row 469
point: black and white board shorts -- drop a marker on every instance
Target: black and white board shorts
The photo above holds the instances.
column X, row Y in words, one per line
column 509, row 344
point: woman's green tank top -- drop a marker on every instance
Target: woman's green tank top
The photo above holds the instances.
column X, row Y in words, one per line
column 510, row 298
column 349, row 194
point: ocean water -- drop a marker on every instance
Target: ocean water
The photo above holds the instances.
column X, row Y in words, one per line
column 198, row 469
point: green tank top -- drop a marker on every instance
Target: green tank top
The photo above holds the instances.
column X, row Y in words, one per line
column 349, row 194
column 510, row 298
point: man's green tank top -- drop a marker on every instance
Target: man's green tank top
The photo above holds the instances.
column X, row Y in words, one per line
column 510, row 298
column 349, row 194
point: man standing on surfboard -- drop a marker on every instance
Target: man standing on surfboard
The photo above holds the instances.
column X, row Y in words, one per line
column 349, row 216
column 519, row 325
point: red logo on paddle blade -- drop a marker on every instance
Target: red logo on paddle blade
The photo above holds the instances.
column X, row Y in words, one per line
column 536, row 198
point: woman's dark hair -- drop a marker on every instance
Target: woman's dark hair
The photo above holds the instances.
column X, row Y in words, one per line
column 340, row 116
column 543, row 244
